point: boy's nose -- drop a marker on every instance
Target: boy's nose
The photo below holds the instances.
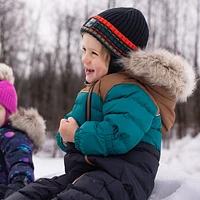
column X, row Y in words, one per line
column 85, row 58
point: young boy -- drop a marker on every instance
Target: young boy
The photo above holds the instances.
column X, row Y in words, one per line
column 112, row 136
column 21, row 132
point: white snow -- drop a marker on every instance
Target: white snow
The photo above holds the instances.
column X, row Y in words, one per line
column 178, row 176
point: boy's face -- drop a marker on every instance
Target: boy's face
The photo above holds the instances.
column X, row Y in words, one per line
column 94, row 59
column 2, row 115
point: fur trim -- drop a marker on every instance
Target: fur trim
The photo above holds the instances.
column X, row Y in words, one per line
column 30, row 122
column 162, row 68
column 6, row 73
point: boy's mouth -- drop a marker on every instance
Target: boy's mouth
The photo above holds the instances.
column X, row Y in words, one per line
column 88, row 71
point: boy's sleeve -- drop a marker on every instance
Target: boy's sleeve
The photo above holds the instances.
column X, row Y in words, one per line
column 128, row 113
column 59, row 140
column 60, row 143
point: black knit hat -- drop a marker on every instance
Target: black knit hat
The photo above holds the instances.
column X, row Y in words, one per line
column 119, row 30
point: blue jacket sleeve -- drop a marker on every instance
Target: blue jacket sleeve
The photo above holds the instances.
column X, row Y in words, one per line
column 128, row 113
column 17, row 150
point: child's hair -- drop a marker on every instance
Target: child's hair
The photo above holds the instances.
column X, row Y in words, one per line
column 8, row 95
column 106, row 55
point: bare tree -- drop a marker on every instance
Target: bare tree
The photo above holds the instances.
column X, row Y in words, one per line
column 196, row 65
column 134, row 2
column 152, row 19
column 32, row 45
column 86, row 10
column 111, row 3
column 165, row 24
column 12, row 23
column 66, row 66
column 179, row 108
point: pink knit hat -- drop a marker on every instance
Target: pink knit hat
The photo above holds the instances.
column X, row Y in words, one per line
column 8, row 95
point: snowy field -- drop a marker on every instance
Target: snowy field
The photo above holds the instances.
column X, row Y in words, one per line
column 178, row 177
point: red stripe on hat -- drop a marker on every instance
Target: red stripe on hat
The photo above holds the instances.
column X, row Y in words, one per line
column 116, row 32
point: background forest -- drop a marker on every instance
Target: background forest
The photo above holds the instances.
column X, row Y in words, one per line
column 42, row 43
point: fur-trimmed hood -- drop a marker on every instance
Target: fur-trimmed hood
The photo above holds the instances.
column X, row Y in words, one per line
column 31, row 123
column 164, row 69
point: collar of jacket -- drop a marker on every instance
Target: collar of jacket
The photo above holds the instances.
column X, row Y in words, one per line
column 163, row 69
column 31, row 123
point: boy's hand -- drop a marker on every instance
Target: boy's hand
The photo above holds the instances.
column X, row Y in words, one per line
column 67, row 129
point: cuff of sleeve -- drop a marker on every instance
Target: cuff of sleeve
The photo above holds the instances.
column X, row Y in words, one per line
column 60, row 142
column 77, row 139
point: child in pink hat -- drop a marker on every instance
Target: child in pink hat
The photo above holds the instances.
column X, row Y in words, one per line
column 8, row 95
column 21, row 132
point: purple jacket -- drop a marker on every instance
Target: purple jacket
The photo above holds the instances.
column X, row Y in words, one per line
column 15, row 156
column 24, row 134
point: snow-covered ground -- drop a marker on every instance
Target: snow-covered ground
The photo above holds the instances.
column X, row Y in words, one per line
column 178, row 177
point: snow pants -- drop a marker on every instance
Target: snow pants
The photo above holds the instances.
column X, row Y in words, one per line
column 126, row 177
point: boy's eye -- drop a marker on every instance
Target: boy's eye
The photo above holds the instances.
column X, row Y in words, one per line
column 94, row 53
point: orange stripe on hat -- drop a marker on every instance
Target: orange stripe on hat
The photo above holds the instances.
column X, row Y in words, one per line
column 116, row 32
